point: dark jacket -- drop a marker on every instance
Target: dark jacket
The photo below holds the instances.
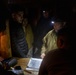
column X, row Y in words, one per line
column 44, row 25
column 18, row 41
column 58, row 62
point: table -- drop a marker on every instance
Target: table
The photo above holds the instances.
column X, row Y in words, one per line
column 23, row 63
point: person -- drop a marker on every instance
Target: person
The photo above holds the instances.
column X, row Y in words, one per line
column 19, row 44
column 29, row 36
column 61, row 61
column 50, row 39
column 43, row 26
column 5, row 48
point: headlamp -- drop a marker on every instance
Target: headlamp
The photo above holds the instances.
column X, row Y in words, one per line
column 52, row 22
column 43, row 11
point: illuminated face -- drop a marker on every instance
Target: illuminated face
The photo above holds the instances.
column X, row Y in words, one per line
column 18, row 16
column 57, row 26
column 46, row 14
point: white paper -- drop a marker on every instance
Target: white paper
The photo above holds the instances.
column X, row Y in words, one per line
column 34, row 64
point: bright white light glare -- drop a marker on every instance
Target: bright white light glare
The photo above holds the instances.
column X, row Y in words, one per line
column 52, row 22
column 43, row 11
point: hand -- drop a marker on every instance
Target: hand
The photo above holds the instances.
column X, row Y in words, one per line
column 1, row 59
column 42, row 55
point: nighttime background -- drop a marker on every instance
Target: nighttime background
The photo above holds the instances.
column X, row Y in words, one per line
column 56, row 5
column 31, row 6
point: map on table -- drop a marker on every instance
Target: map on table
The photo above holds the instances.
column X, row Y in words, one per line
column 34, row 64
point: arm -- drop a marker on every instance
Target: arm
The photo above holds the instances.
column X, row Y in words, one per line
column 43, row 49
column 18, row 49
column 45, row 45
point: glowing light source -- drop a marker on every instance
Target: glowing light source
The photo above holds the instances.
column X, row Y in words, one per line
column 52, row 22
column 43, row 11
